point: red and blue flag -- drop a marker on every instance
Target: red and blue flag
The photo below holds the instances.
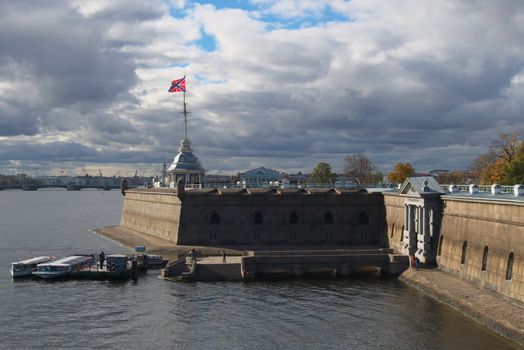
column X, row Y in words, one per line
column 178, row 85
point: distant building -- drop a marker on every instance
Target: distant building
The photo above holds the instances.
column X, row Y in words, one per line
column 437, row 172
column 294, row 179
column 217, row 181
column 260, row 177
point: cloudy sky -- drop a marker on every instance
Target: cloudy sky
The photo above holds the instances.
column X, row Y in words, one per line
column 276, row 83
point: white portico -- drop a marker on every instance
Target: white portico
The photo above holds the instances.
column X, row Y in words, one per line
column 422, row 217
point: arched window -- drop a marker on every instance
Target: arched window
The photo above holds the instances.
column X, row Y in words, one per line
column 392, row 230
column 485, row 259
column 464, row 253
column 258, row 218
column 293, row 218
column 214, row 218
column 328, row 218
column 440, row 243
column 509, row 268
column 363, row 218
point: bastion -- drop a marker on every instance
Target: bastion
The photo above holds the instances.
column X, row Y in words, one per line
column 257, row 216
column 475, row 235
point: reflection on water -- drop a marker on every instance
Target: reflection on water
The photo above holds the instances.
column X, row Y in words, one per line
column 153, row 313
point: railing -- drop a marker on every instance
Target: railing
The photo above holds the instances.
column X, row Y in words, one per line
column 345, row 185
column 193, row 186
column 481, row 188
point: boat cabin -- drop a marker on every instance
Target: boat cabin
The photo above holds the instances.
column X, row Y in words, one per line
column 26, row 267
column 63, row 266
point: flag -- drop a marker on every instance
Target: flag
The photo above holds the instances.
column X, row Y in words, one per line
column 178, row 85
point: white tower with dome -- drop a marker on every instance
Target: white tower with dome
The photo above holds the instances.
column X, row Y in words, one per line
column 186, row 165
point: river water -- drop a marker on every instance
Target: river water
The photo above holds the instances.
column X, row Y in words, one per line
column 365, row 313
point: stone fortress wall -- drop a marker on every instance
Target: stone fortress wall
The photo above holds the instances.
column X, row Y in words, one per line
column 153, row 212
column 480, row 239
column 257, row 216
column 394, row 206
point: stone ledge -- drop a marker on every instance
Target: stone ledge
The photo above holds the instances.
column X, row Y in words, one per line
column 487, row 308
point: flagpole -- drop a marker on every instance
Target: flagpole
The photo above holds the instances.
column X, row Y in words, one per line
column 185, row 117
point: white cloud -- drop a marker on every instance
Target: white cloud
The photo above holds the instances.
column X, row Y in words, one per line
column 401, row 81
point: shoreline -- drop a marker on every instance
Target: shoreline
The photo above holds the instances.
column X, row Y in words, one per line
column 489, row 309
column 154, row 245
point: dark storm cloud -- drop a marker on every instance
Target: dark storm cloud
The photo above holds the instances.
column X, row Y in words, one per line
column 60, row 56
column 49, row 151
column 427, row 83
column 17, row 119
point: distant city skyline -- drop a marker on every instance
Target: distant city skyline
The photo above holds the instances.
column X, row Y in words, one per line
column 281, row 84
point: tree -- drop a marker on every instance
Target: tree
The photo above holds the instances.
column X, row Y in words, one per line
column 506, row 147
column 503, row 156
column 453, row 177
column 515, row 170
column 360, row 168
column 401, row 172
column 376, row 177
column 322, row 174
column 482, row 167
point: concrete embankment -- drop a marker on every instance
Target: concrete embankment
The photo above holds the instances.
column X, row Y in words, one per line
column 488, row 308
column 154, row 245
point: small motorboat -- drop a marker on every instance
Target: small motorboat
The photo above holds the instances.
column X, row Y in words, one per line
column 64, row 266
column 28, row 266
column 155, row 261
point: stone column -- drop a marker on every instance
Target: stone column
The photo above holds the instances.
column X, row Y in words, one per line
column 429, row 248
column 412, row 233
column 421, row 232
column 407, row 226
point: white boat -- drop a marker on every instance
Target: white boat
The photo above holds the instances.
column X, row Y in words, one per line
column 26, row 267
column 62, row 267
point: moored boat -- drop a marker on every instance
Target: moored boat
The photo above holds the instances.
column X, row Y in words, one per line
column 26, row 267
column 155, row 261
column 64, row 266
column 117, row 267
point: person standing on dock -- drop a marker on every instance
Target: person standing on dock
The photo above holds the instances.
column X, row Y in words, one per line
column 224, row 256
column 102, row 258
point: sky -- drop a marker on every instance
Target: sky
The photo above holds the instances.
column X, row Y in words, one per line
column 283, row 84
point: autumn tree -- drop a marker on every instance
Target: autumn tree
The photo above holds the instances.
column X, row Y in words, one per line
column 360, row 168
column 482, row 167
column 401, row 172
column 506, row 147
column 502, row 158
column 515, row 170
column 452, row 177
column 322, row 174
